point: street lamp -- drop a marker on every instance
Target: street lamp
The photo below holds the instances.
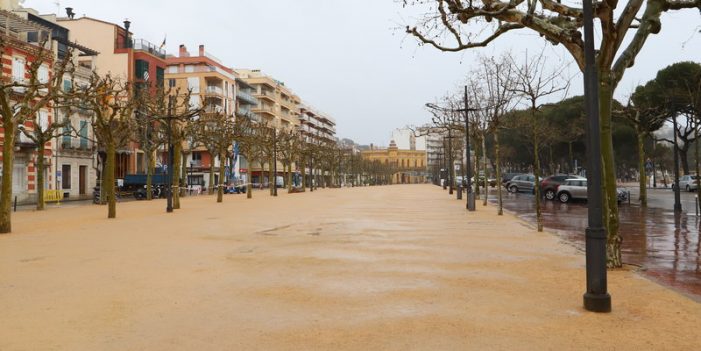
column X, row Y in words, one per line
column 170, row 173
column 677, row 195
column 596, row 298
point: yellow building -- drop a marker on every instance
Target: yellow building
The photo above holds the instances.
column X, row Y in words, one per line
column 409, row 165
column 277, row 104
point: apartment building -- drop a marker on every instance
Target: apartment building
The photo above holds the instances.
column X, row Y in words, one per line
column 316, row 126
column 212, row 86
column 21, row 44
column 278, row 106
column 125, row 57
column 74, row 152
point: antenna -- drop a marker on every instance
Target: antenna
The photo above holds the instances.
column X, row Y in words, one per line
column 58, row 6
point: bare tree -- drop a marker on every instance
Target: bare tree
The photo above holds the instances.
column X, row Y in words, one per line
column 21, row 100
column 216, row 130
column 535, row 80
column 493, row 97
column 449, row 25
column 112, row 103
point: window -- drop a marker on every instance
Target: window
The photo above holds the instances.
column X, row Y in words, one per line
column 141, row 69
column 43, row 74
column 67, row 86
column 194, row 101
column 66, row 141
column 66, row 176
column 18, row 67
column 83, row 133
column 171, row 83
column 189, row 68
column 196, row 156
column 43, row 117
column 160, row 76
column 193, row 83
column 172, row 69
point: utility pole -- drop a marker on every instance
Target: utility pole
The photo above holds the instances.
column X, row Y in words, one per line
column 170, row 173
column 596, row 298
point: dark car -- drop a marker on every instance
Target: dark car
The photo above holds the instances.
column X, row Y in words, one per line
column 549, row 185
column 521, row 183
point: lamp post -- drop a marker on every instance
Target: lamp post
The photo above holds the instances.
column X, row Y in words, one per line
column 170, row 173
column 596, row 298
column 677, row 195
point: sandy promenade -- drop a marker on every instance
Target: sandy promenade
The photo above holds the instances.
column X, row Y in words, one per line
column 378, row 268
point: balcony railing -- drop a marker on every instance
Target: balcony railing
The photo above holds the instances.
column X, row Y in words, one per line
column 246, row 98
column 267, row 93
column 213, row 89
column 141, row 45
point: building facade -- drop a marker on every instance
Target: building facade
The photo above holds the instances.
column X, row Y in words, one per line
column 213, row 87
column 125, row 57
column 409, row 166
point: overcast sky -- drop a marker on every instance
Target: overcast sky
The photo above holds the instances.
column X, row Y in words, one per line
column 348, row 58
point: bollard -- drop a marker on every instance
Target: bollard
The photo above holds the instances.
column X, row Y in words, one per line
column 15, row 203
column 628, row 197
column 696, row 199
column 459, row 192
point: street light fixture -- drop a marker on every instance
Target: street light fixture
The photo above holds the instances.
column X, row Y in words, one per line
column 470, row 203
column 596, row 298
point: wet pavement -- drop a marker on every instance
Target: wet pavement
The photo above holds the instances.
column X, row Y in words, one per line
column 666, row 246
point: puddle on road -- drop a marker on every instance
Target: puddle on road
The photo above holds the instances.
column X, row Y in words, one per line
column 666, row 245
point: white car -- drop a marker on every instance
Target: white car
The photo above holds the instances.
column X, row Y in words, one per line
column 577, row 189
column 688, row 182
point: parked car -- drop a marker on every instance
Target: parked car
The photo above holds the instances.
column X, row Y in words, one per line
column 549, row 185
column 576, row 188
column 521, row 183
column 688, row 183
column 506, row 177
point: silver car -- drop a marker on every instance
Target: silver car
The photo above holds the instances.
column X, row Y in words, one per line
column 577, row 189
column 688, row 182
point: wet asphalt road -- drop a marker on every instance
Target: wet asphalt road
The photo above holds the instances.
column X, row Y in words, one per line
column 666, row 246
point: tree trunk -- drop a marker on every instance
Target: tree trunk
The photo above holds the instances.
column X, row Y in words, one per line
column 684, row 158
column 484, row 165
column 477, row 169
column 696, row 154
column 183, row 175
column 249, row 178
column 150, row 167
column 500, row 205
column 39, row 171
column 8, row 150
column 220, row 189
column 210, row 188
column 177, row 158
column 536, row 174
column 107, row 186
column 271, row 177
column 610, row 210
column 641, row 166
column 569, row 146
column 303, row 163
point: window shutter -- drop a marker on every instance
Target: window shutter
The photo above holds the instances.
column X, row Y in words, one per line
column 18, row 68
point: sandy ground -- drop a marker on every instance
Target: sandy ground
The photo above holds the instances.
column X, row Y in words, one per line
column 379, row 268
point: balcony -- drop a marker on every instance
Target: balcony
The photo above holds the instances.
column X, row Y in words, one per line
column 267, row 94
column 246, row 98
column 246, row 113
column 214, row 90
column 265, row 109
column 213, row 109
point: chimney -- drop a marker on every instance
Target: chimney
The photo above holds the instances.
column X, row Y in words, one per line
column 70, row 13
column 201, row 50
column 182, row 51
